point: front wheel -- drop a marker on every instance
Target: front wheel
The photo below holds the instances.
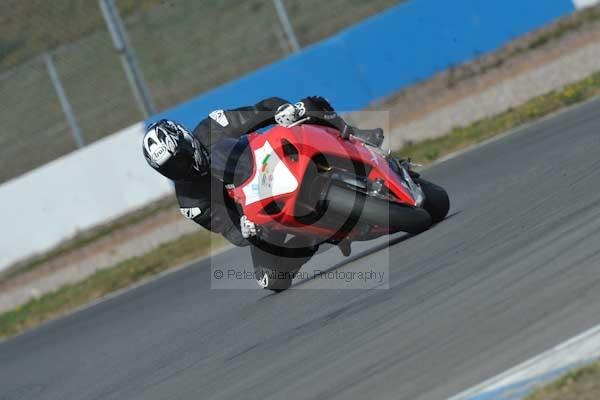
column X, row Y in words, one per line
column 437, row 203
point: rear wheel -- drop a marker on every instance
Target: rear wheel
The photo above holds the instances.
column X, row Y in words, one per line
column 437, row 202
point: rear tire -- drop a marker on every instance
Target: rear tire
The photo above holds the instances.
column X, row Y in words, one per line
column 350, row 203
column 437, row 202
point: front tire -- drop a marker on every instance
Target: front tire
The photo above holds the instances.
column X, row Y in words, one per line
column 437, row 203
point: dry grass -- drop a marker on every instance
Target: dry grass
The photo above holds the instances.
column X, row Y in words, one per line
column 124, row 274
column 461, row 137
column 581, row 384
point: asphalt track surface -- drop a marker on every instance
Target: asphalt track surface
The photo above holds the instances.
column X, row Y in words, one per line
column 514, row 271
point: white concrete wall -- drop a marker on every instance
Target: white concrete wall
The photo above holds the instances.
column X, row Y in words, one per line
column 585, row 3
column 88, row 187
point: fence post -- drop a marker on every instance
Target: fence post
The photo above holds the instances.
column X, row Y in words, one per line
column 64, row 102
column 128, row 59
column 287, row 26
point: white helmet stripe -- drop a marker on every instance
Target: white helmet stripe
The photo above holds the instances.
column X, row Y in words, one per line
column 158, row 150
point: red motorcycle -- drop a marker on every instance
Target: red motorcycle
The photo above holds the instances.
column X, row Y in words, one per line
column 308, row 180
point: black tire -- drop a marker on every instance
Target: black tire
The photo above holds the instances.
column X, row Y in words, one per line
column 437, row 202
column 349, row 203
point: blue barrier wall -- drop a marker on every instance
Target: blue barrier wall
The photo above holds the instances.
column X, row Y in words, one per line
column 383, row 54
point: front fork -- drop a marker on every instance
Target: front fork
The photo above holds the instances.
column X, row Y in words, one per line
column 403, row 167
column 399, row 163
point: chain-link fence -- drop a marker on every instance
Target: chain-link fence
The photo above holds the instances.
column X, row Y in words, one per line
column 182, row 47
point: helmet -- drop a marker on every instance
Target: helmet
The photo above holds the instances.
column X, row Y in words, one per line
column 171, row 150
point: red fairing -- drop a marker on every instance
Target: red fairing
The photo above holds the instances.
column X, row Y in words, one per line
column 281, row 159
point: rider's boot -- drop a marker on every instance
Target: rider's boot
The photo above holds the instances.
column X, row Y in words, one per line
column 345, row 247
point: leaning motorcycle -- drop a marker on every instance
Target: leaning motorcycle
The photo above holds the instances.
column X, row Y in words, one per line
column 309, row 181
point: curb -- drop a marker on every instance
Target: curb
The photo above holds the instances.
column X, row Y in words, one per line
column 519, row 381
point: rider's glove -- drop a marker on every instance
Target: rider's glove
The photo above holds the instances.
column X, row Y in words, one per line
column 247, row 227
column 288, row 113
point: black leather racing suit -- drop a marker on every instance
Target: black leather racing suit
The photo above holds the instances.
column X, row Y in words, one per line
column 203, row 200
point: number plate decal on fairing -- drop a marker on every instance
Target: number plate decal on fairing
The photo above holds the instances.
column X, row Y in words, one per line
column 272, row 176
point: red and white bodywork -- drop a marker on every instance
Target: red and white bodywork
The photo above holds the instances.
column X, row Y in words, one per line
column 285, row 161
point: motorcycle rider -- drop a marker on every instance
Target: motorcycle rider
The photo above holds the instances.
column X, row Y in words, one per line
column 191, row 160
